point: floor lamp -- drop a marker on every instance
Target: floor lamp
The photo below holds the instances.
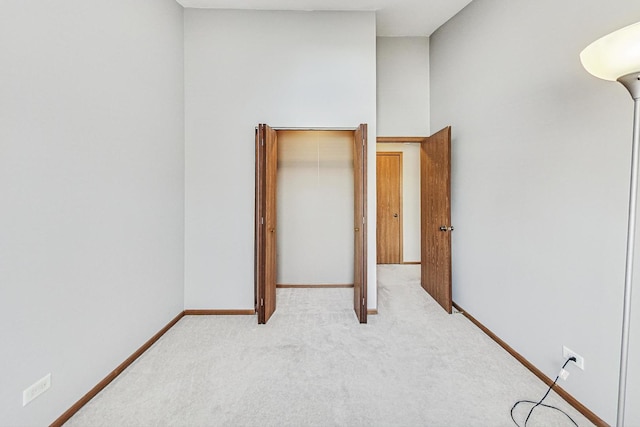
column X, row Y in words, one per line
column 616, row 57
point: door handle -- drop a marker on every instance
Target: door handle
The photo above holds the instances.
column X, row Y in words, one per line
column 445, row 228
column 395, row 215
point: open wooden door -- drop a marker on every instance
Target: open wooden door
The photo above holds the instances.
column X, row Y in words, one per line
column 360, row 222
column 435, row 201
column 265, row 222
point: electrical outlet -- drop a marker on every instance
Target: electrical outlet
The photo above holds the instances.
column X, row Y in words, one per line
column 567, row 353
column 36, row 389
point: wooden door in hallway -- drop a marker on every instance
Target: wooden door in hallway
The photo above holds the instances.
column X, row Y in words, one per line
column 389, row 207
column 435, row 204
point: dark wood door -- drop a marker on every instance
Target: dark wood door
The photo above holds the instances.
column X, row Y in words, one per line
column 435, row 204
column 265, row 222
column 360, row 222
column 389, row 207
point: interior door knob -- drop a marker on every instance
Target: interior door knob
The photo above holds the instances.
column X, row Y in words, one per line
column 445, row 228
column 395, row 215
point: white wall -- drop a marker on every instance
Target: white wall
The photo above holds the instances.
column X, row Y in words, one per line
column 293, row 69
column 403, row 86
column 315, row 207
column 402, row 65
column 540, row 165
column 410, row 197
column 91, row 187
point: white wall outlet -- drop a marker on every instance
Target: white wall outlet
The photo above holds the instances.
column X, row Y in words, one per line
column 567, row 353
column 36, row 389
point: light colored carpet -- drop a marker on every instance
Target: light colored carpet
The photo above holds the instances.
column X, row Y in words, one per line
column 314, row 365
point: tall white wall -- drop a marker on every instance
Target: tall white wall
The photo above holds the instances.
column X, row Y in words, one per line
column 91, row 189
column 540, row 170
column 315, row 207
column 403, row 86
column 403, row 93
column 288, row 69
column 410, row 197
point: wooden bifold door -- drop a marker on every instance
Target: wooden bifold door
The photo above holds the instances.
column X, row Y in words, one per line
column 265, row 250
column 265, row 222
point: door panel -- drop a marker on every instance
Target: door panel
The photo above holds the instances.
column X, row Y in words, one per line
column 389, row 207
column 360, row 222
column 271, row 171
column 258, row 249
column 265, row 222
column 435, row 183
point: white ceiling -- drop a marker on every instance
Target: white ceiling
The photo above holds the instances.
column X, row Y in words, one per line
column 394, row 17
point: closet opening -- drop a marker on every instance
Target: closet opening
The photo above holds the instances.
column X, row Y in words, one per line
column 310, row 211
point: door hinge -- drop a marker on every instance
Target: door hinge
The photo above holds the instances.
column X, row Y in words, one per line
column 261, row 302
column 363, row 221
column 363, row 301
column 262, row 220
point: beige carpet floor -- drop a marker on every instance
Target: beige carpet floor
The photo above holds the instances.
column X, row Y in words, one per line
column 314, row 365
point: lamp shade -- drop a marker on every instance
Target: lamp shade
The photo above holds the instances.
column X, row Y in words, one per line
column 614, row 55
